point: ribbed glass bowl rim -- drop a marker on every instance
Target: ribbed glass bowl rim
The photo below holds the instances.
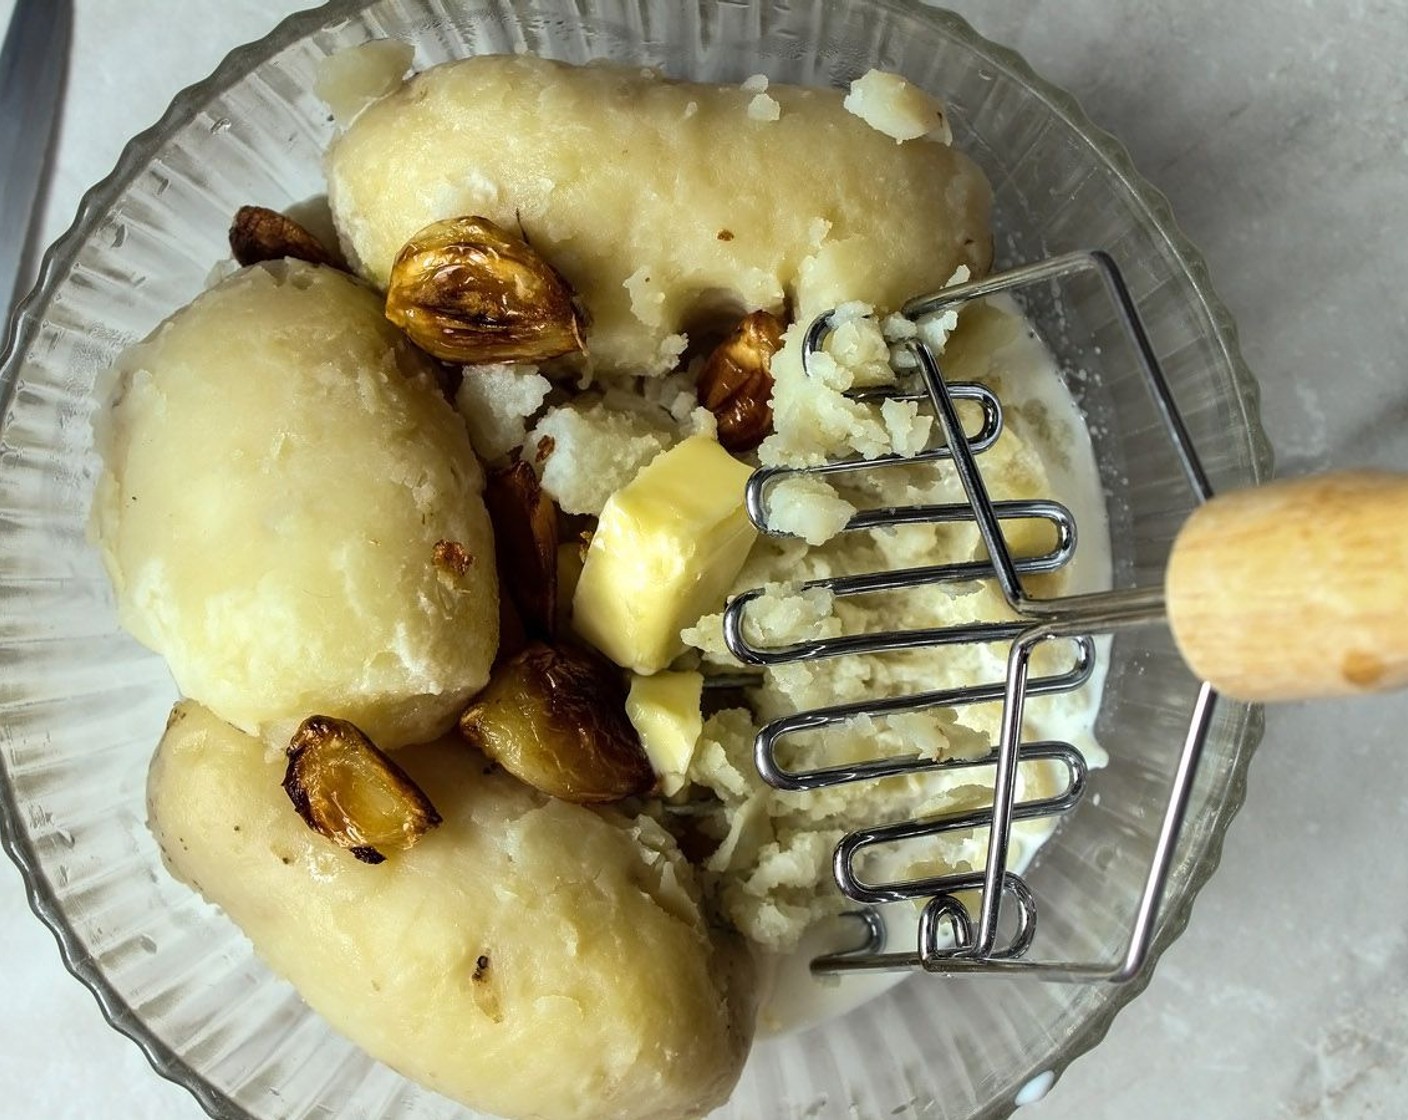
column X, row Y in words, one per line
column 139, row 151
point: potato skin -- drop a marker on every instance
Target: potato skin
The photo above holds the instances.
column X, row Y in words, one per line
column 278, row 471
column 661, row 202
column 529, row 958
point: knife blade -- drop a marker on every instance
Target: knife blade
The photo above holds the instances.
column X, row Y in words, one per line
column 33, row 66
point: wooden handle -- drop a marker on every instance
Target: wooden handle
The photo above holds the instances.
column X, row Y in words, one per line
column 1296, row 590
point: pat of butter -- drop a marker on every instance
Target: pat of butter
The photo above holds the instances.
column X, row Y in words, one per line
column 665, row 710
column 667, row 549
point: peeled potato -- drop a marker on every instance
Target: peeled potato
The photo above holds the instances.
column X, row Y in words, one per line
column 528, row 957
column 291, row 513
column 662, row 202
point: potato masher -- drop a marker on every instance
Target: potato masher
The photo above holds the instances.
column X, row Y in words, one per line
column 1266, row 593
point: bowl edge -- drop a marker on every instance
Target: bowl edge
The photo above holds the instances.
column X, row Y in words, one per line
column 24, row 324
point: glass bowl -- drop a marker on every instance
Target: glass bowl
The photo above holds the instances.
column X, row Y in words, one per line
column 82, row 705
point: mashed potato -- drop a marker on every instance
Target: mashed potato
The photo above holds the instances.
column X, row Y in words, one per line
column 663, row 202
column 279, row 469
column 772, row 866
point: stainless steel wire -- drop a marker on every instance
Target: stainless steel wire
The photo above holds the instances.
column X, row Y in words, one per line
column 950, row 938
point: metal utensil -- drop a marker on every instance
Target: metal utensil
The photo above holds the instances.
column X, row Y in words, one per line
column 33, row 66
column 1254, row 581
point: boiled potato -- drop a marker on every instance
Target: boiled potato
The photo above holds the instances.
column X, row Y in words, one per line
column 528, row 957
column 291, row 513
column 662, row 202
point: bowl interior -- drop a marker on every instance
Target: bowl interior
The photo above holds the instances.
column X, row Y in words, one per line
column 81, row 705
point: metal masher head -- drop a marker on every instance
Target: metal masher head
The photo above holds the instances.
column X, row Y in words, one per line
column 954, row 934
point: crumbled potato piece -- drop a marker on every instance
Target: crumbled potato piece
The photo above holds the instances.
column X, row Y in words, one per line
column 763, row 108
column 898, row 108
column 807, row 506
column 585, row 452
column 352, row 79
column 496, row 402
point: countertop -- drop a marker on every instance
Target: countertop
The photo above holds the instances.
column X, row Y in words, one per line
column 1279, row 131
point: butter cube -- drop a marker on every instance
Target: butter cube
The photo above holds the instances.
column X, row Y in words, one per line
column 665, row 710
column 668, row 547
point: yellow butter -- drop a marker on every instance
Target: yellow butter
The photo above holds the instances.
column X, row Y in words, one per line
column 668, row 547
column 665, row 710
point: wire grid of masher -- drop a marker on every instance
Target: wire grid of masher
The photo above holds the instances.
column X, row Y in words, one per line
column 961, row 927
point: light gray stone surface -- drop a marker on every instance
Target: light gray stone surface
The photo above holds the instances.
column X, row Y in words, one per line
column 1279, row 131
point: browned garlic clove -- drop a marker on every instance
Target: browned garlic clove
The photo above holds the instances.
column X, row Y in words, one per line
column 349, row 791
column 468, row 291
column 736, row 381
column 259, row 234
column 525, row 538
column 555, row 718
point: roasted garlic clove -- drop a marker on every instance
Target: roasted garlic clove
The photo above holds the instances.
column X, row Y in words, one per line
column 259, row 234
column 555, row 718
column 736, row 381
column 351, row 792
column 470, row 292
column 525, row 539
